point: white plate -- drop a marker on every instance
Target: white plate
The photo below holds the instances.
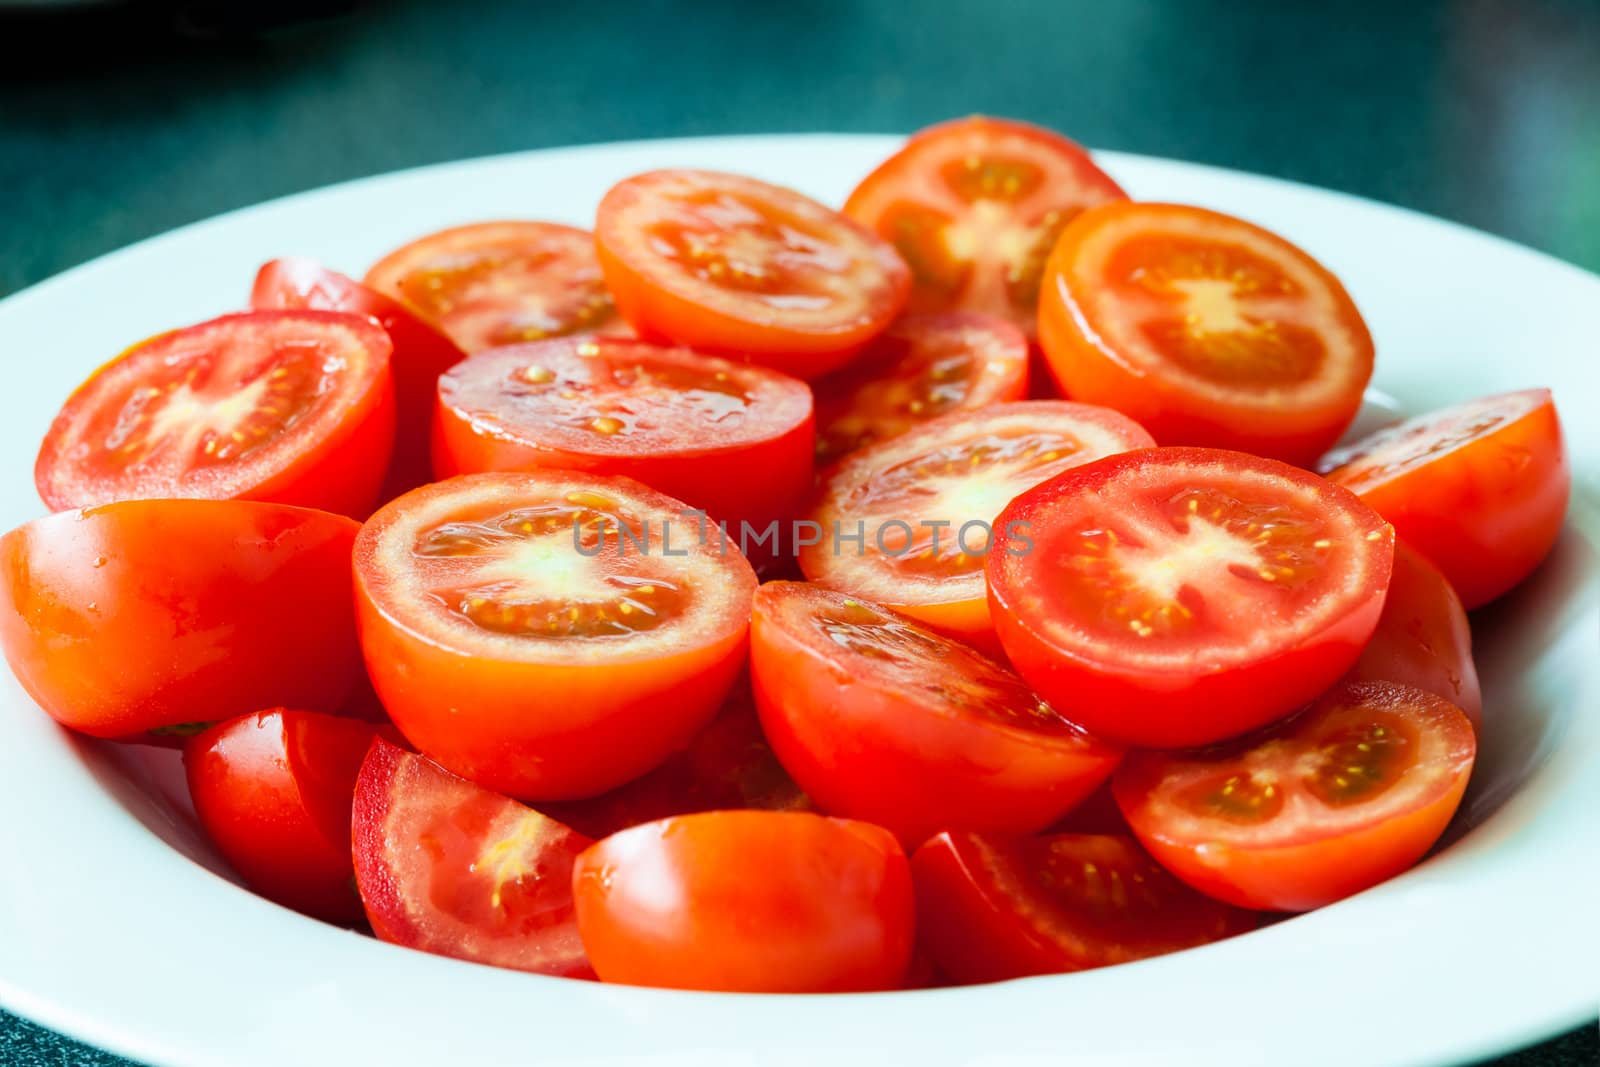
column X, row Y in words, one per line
column 112, row 935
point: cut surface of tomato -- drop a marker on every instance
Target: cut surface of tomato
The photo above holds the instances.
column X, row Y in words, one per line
column 882, row 720
column 1177, row 596
column 1481, row 489
column 289, row 407
column 1352, row 791
column 548, row 634
column 448, row 867
column 1205, row 328
column 737, row 266
column 974, row 206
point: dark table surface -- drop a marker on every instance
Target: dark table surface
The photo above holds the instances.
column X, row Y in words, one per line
column 118, row 123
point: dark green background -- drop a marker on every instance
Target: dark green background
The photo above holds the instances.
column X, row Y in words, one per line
column 114, row 127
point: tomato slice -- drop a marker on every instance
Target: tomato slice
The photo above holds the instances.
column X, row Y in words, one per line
column 924, row 504
column 1177, row 596
column 1480, row 489
column 974, row 206
column 881, row 720
column 921, row 367
column 1352, row 791
column 734, row 265
column 549, row 635
column 502, row 283
column 289, row 407
column 748, row 901
column 273, row 790
column 1205, row 328
column 161, row 614
column 450, row 868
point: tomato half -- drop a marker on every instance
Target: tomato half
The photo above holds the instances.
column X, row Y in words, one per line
column 1352, row 791
column 992, row 907
column 974, row 206
column 273, row 790
column 924, row 504
column 549, row 635
column 748, row 901
column 921, row 367
column 447, row 867
column 158, row 614
column 1480, row 489
column 501, row 283
column 882, row 720
column 1207, row 329
column 1177, row 596
column 289, row 407
column 734, row 265
column 421, row 353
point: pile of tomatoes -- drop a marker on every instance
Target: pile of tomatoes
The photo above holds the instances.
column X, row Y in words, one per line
column 450, row 581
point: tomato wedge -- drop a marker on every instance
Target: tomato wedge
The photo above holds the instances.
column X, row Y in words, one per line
column 1177, row 596
column 549, row 635
column 289, row 407
column 1205, row 328
column 1333, row 801
column 748, row 901
column 161, row 614
column 992, row 907
column 974, row 206
column 919, row 509
column 450, row 868
column 734, row 265
column 921, row 367
column 1480, row 489
column 501, row 283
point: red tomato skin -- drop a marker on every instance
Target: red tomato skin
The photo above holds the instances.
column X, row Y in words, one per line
column 146, row 614
column 775, row 902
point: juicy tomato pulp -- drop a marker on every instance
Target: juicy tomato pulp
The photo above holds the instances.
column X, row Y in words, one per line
column 1177, row 596
column 734, row 265
column 881, row 720
column 1480, row 489
column 289, row 407
column 748, row 901
column 548, row 634
column 447, row 867
column 991, row 907
column 1350, row 792
column 974, row 206
column 921, row 367
column 502, row 283
column 273, row 789
column 160, row 614
column 1206, row 329
column 924, row 504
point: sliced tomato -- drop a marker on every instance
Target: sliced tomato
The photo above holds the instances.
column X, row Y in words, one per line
column 273, row 790
column 289, row 407
column 1177, row 596
column 549, row 635
column 974, row 206
column 748, row 901
column 921, row 367
column 1097, row 813
column 163, row 614
column 908, row 522
column 1207, row 329
column 448, row 867
column 421, row 353
column 992, row 907
column 1335, row 800
column 734, row 265
column 881, row 720
column 502, row 283
column 1480, row 489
